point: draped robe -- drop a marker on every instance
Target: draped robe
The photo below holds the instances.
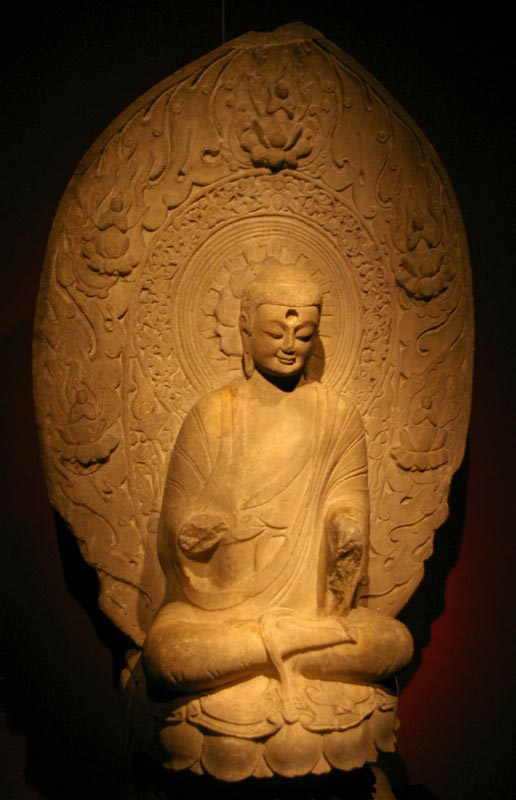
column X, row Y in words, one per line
column 274, row 473
column 268, row 472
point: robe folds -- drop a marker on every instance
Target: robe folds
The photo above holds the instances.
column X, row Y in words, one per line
column 273, row 485
column 242, row 541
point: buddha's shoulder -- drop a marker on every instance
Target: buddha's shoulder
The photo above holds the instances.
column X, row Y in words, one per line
column 212, row 402
column 211, row 405
column 335, row 404
column 330, row 395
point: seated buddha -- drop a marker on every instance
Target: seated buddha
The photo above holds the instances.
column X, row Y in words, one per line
column 261, row 661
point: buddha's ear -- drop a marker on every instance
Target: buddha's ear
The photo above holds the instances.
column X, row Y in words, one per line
column 244, row 324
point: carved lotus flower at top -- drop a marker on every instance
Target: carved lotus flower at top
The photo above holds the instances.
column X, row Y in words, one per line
column 271, row 114
column 424, row 274
column 274, row 144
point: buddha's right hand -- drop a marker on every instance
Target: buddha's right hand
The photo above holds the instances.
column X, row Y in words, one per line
column 291, row 633
column 201, row 534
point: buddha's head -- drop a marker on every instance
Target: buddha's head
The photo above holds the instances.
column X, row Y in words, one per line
column 279, row 320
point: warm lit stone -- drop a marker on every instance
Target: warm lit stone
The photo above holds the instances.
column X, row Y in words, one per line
column 230, row 759
column 253, row 366
column 349, row 749
column 293, row 751
column 182, row 743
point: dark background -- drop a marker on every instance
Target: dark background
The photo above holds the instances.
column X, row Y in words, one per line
column 66, row 77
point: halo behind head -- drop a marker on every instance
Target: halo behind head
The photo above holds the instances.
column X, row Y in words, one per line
column 281, row 284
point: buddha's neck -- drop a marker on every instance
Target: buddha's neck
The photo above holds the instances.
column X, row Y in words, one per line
column 272, row 388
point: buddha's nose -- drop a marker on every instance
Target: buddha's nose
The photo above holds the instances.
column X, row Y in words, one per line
column 288, row 342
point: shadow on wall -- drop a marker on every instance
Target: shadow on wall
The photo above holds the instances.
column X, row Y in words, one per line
column 155, row 784
column 57, row 682
column 427, row 603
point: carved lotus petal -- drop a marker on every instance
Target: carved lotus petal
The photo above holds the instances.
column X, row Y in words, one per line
column 351, row 748
column 322, row 767
column 424, row 274
column 420, row 461
column 419, row 438
column 109, row 253
column 83, row 432
column 278, row 138
column 88, row 454
column 423, row 264
column 88, row 280
column 383, row 724
column 293, row 751
column 262, row 770
column 183, row 745
column 228, row 758
column 112, row 243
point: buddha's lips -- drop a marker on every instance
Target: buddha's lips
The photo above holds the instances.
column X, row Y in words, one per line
column 286, row 360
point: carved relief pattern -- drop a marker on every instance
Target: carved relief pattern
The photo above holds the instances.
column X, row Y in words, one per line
column 295, row 136
column 277, row 107
column 281, row 198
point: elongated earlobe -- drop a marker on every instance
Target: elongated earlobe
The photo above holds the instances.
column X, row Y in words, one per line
column 245, row 332
column 248, row 364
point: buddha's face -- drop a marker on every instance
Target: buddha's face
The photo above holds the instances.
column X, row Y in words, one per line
column 282, row 338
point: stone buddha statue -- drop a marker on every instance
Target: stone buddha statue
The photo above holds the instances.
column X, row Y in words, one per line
column 260, row 661
column 288, row 540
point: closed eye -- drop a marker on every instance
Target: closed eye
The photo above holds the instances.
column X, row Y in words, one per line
column 305, row 337
column 274, row 335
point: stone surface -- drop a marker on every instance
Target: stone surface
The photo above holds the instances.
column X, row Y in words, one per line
column 258, row 284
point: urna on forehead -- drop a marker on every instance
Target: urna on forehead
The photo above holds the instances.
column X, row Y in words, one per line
column 287, row 316
column 282, row 285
